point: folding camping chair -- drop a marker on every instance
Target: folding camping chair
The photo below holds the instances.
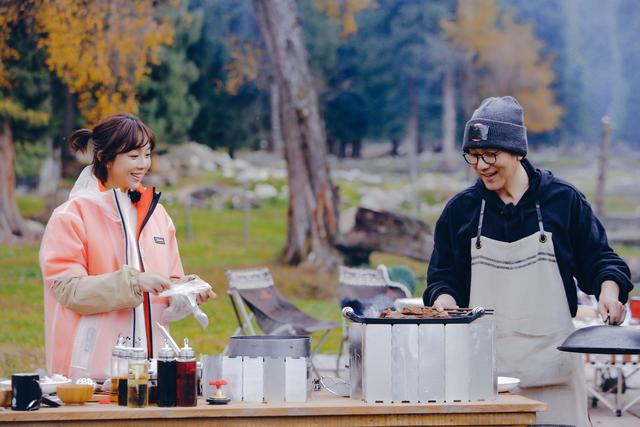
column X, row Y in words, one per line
column 361, row 285
column 603, row 364
column 255, row 289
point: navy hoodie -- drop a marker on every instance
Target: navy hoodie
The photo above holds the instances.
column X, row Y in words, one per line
column 580, row 241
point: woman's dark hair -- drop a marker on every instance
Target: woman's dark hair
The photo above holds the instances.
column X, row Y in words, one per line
column 116, row 134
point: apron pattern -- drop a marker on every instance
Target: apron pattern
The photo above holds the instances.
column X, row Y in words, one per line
column 532, row 318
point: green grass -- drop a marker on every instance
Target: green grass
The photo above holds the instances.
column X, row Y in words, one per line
column 217, row 244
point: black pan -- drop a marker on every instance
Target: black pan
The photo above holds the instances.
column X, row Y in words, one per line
column 603, row 339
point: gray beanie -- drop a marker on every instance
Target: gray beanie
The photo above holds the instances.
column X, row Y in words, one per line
column 497, row 123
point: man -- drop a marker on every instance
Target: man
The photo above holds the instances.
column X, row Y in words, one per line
column 518, row 241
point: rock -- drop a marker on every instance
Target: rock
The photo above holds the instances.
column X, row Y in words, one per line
column 208, row 195
column 191, row 157
column 377, row 199
column 265, row 191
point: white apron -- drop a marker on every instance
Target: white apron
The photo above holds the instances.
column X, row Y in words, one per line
column 521, row 281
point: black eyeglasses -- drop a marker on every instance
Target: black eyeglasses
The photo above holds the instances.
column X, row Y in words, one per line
column 489, row 157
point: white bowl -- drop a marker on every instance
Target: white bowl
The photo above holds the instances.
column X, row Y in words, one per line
column 507, row 384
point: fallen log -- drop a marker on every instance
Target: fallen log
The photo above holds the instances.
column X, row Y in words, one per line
column 388, row 232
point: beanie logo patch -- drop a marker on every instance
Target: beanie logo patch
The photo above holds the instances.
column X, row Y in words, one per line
column 478, row 132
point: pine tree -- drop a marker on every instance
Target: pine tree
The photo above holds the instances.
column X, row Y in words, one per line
column 166, row 102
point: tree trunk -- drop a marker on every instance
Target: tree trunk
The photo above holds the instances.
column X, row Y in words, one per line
column 356, row 149
column 603, row 159
column 395, row 145
column 342, row 150
column 276, row 131
column 411, row 142
column 313, row 207
column 386, row 232
column 67, row 161
column 448, row 118
column 12, row 226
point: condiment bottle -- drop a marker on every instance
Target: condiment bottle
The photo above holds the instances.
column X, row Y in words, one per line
column 116, row 355
column 166, row 376
column 123, row 374
column 153, row 387
column 186, row 394
column 138, row 382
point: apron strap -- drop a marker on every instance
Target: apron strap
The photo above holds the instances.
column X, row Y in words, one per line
column 478, row 244
column 543, row 236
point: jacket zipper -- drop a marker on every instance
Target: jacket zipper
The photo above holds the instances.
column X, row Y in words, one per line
column 147, row 299
column 126, row 256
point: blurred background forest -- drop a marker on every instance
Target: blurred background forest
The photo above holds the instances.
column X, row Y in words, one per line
column 393, row 82
column 198, row 70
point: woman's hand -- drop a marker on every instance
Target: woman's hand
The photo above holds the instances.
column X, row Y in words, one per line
column 203, row 297
column 154, row 283
column 610, row 308
column 444, row 302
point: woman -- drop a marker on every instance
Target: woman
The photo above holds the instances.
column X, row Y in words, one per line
column 107, row 253
column 519, row 241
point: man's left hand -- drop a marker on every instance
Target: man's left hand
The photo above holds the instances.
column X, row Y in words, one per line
column 611, row 310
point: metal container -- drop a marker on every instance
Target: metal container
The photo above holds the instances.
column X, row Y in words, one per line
column 268, row 368
column 270, row 346
column 422, row 360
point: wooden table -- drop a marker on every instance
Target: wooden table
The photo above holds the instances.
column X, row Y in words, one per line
column 321, row 410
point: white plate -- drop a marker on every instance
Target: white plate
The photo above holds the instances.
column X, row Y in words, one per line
column 507, row 384
column 47, row 388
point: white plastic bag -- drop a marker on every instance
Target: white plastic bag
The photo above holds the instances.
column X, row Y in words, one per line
column 183, row 299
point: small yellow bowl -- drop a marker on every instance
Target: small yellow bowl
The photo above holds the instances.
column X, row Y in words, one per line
column 74, row 394
column 5, row 396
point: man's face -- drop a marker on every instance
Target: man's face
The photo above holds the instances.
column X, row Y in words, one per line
column 495, row 168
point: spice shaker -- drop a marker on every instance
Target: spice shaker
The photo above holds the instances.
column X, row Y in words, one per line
column 166, row 376
column 186, row 394
column 138, row 381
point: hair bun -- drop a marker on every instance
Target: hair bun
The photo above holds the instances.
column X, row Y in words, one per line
column 79, row 140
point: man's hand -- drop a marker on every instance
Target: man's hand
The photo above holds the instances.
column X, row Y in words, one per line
column 444, row 301
column 154, row 283
column 611, row 310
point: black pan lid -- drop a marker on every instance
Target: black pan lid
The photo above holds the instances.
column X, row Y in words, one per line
column 603, row 339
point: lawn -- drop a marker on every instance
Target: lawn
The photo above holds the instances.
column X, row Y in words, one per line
column 217, row 244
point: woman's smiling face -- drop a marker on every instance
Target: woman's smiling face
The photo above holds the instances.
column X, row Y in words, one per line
column 495, row 176
column 127, row 169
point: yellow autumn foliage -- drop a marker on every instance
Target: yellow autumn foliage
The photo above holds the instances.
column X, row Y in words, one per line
column 101, row 49
column 506, row 60
column 8, row 17
column 15, row 111
column 344, row 12
column 244, row 64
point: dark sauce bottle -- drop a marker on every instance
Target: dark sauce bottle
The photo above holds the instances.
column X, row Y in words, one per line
column 166, row 377
column 123, row 375
column 186, row 394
